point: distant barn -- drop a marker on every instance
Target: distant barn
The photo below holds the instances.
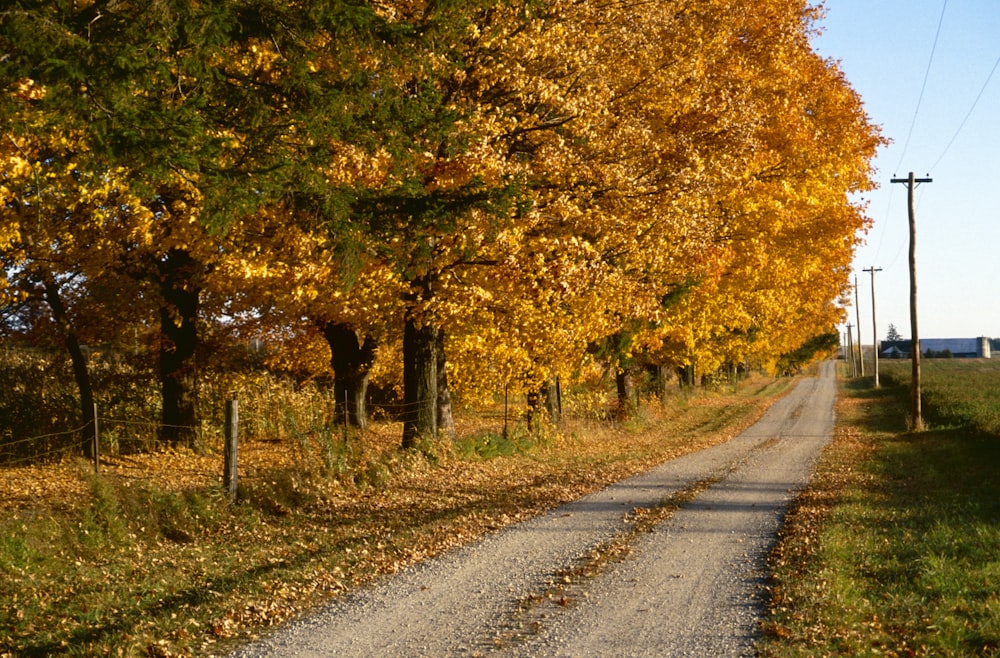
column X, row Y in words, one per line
column 959, row 348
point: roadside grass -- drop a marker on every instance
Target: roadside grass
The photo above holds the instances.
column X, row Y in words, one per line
column 955, row 392
column 893, row 548
column 149, row 559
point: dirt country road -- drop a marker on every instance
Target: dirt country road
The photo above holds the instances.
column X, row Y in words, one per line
column 687, row 584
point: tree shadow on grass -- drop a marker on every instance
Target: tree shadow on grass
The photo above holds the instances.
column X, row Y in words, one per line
column 164, row 606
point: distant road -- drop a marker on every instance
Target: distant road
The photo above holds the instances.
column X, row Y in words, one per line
column 689, row 586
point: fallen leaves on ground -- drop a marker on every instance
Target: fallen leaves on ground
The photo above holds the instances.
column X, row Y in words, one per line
column 195, row 588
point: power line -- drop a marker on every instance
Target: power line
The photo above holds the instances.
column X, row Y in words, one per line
column 884, row 224
column 969, row 113
column 923, row 86
column 913, row 123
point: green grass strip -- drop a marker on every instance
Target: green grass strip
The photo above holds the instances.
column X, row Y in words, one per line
column 893, row 550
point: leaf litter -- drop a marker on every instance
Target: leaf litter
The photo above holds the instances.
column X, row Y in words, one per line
column 135, row 590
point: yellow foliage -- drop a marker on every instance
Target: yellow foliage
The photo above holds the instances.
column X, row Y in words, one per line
column 685, row 171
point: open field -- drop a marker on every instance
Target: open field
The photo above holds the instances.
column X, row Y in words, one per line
column 893, row 548
column 956, row 392
column 148, row 559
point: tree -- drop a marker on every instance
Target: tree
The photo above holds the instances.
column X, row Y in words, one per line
column 224, row 107
column 293, row 279
column 525, row 186
column 702, row 184
column 58, row 252
column 893, row 334
column 798, row 147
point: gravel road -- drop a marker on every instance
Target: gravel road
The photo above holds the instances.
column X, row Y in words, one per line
column 687, row 580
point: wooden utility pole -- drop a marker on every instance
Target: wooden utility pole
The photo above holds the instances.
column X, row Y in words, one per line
column 850, row 349
column 861, row 348
column 873, row 270
column 911, row 184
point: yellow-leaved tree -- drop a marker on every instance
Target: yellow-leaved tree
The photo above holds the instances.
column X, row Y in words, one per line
column 788, row 218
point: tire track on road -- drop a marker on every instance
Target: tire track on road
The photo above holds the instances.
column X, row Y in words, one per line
column 463, row 602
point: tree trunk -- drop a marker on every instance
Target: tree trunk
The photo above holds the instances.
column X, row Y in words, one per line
column 625, row 383
column 534, row 400
column 686, row 376
column 351, row 361
column 81, row 373
column 445, row 419
column 663, row 376
column 178, row 344
column 420, row 378
column 552, row 392
column 543, row 402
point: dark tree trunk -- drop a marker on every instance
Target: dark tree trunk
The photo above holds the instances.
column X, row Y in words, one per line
column 178, row 345
column 625, row 383
column 445, row 419
column 685, row 376
column 81, row 373
column 351, row 361
column 663, row 376
column 543, row 402
column 552, row 392
column 420, row 397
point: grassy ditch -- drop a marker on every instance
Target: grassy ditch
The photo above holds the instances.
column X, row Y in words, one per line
column 148, row 559
column 892, row 550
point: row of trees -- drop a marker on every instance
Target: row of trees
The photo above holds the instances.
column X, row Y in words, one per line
column 454, row 194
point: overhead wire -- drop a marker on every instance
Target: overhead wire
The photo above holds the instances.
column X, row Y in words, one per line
column 923, row 86
column 982, row 90
column 913, row 123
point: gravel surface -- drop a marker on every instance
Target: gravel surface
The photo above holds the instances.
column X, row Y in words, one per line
column 689, row 585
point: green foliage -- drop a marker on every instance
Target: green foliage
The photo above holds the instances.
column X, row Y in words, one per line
column 489, row 445
column 207, row 108
column 104, row 513
column 816, row 347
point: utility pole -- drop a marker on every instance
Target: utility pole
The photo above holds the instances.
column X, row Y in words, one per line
column 911, row 184
column 873, row 270
column 850, row 349
column 861, row 345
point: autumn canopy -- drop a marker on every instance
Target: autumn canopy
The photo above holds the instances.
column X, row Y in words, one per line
column 449, row 197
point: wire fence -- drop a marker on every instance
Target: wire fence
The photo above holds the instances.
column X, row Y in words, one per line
column 40, row 448
column 302, row 429
column 320, row 420
column 113, row 434
column 40, row 411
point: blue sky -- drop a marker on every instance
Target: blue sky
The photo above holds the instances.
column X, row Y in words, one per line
column 885, row 49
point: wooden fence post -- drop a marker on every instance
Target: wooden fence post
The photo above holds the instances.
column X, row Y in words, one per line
column 97, row 444
column 230, row 471
column 505, row 401
column 347, row 415
column 559, row 396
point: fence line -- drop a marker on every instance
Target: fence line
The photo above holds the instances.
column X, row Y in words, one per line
column 122, row 421
column 258, row 421
column 37, row 457
column 45, row 436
